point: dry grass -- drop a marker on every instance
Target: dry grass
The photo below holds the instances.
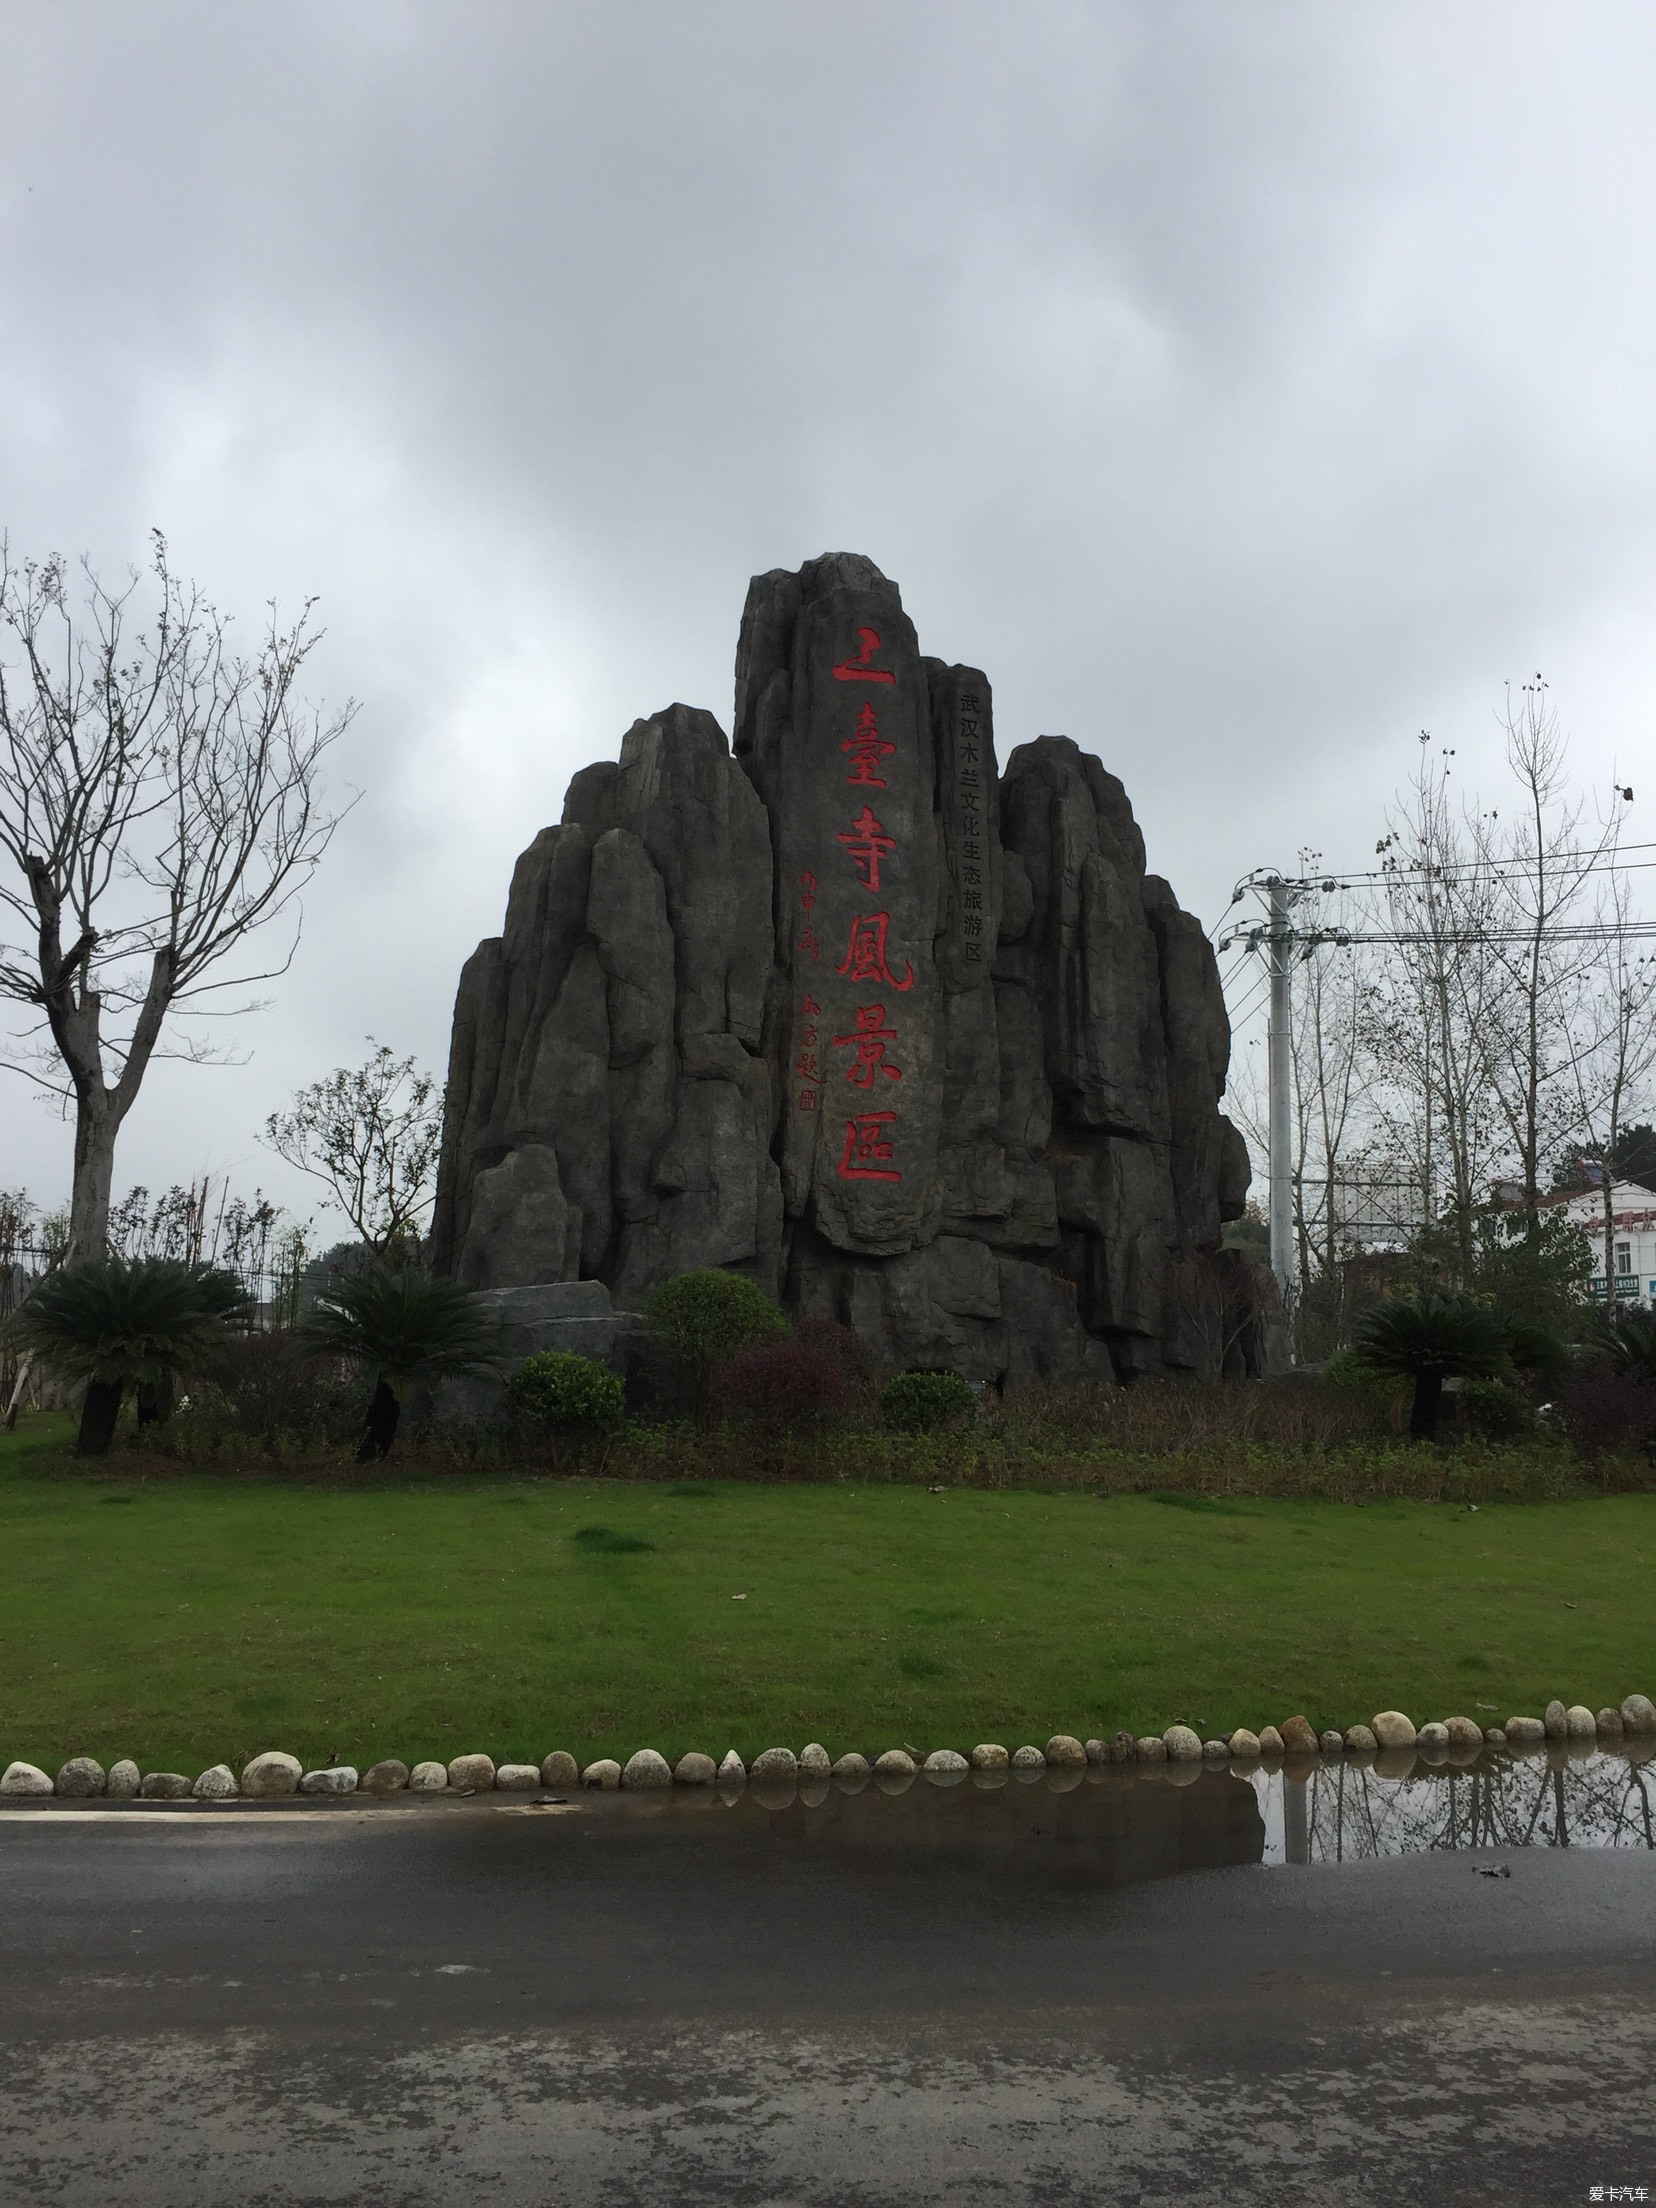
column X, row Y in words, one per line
column 1287, row 1438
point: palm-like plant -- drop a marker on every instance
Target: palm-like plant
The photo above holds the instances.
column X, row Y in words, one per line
column 1432, row 1339
column 401, row 1326
column 115, row 1323
column 1630, row 1338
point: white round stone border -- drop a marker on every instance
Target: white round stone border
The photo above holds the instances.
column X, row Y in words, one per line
column 275, row 1775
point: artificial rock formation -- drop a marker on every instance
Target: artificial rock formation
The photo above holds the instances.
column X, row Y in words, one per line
column 916, row 1043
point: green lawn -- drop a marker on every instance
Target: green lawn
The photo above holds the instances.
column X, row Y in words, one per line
column 191, row 1619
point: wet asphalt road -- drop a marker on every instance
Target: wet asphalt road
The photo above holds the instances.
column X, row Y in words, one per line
column 966, row 2000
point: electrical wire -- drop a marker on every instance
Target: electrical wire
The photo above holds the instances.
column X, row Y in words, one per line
column 1601, row 859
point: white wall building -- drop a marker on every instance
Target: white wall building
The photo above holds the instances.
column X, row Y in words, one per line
column 1632, row 1239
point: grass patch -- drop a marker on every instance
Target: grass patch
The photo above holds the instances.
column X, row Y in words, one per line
column 212, row 1617
column 603, row 1540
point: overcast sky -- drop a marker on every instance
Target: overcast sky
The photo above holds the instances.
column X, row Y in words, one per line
column 1243, row 386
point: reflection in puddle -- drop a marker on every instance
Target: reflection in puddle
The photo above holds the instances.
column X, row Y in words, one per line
column 1117, row 1826
column 1346, row 1810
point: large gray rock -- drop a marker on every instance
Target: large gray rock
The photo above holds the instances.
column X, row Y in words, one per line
column 647, row 1768
column 272, row 1774
column 774, row 1767
column 81, row 1776
column 1391, row 1729
column 919, row 1046
column 165, row 1786
column 24, row 1780
column 335, row 1778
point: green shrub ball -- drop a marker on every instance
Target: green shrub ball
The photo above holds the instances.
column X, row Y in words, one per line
column 700, row 1320
column 921, row 1402
column 1493, row 1411
column 557, row 1388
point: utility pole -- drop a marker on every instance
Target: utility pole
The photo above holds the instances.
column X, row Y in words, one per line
column 1281, row 943
column 1279, row 946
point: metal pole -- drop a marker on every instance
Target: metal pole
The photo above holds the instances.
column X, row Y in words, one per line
column 1279, row 943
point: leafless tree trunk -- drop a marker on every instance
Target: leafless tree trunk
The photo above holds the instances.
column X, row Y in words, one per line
column 1430, row 1005
column 159, row 803
column 1548, row 869
column 1612, row 1081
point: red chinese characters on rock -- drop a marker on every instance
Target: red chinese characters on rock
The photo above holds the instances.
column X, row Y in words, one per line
column 867, row 842
column 807, row 904
column 865, row 958
column 865, row 747
column 858, row 669
column 970, row 795
column 867, row 1154
column 869, row 1038
column 805, row 1065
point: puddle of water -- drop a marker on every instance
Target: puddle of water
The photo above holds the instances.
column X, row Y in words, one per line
column 1355, row 1809
column 1107, row 1826
column 1116, row 1826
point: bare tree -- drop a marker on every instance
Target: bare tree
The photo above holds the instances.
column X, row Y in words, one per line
column 1551, row 875
column 1484, row 1003
column 1613, row 1080
column 1429, row 1004
column 159, row 803
column 372, row 1134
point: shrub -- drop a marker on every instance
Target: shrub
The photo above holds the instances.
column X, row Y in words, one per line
column 699, row 1322
column 1608, row 1413
column 401, row 1326
column 922, row 1402
column 269, row 1388
column 1630, row 1338
column 556, row 1388
column 1348, row 1376
column 1432, row 1338
column 806, row 1378
column 1493, row 1411
column 116, row 1323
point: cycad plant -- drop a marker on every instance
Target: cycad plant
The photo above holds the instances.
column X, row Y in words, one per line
column 1432, row 1339
column 1630, row 1337
column 401, row 1326
column 116, row 1323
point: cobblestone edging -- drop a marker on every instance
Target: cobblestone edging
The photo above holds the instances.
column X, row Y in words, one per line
column 275, row 1774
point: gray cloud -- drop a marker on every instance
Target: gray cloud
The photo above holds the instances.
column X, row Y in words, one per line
column 1243, row 388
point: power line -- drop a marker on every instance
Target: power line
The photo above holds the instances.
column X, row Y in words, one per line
column 1601, row 859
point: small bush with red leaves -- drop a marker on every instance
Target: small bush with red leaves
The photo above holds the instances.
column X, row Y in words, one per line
column 806, row 1379
column 1608, row 1413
